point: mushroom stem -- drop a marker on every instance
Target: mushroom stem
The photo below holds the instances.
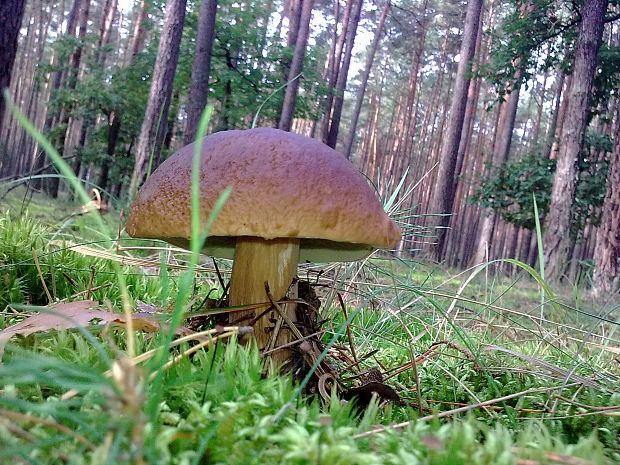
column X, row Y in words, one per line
column 258, row 261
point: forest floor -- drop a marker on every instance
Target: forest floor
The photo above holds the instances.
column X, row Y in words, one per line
column 478, row 367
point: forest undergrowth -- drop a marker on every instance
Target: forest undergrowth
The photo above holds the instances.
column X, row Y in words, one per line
column 475, row 367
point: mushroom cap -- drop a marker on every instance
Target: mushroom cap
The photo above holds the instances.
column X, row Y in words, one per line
column 284, row 185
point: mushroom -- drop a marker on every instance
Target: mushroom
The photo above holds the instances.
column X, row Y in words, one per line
column 293, row 199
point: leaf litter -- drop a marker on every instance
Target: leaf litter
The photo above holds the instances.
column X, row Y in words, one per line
column 82, row 313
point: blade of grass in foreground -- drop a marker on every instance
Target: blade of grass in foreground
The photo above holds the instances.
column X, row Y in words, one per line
column 541, row 256
column 152, row 155
column 255, row 120
column 197, row 241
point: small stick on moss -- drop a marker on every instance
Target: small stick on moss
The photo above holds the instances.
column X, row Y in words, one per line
column 52, row 424
column 94, row 289
column 296, row 341
column 220, row 279
column 17, row 430
column 448, row 413
column 69, row 278
column 53, row 276
column 197, row 347
column 36, row 262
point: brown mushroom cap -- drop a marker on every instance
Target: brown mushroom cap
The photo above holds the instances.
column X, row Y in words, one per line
column 283, row 186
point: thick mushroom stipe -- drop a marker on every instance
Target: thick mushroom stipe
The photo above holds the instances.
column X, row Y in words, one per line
column 258, row 261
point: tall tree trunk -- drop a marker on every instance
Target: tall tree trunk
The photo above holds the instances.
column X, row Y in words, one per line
column 556, row 239
column 105, row 29
column 360, row 94
column 338, row 42
column 290, row 96
column 105, row 35
column 400, row 149
column 607, row 251
column 139, row 34
column 327, row 72
column 443, row 193
column 501, row 151
column 129, row 59
column 57, row 82
column 553, row 123
column 536, row 131
column 11, row 14
column 341, row 84
column 151, row 136
column 294, row 17
column 199, row 87
column 72, row 78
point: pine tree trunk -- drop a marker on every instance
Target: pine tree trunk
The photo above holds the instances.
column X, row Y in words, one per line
column 338, row 42
column 553, row 124
column 105, row 29
column 401, row 147
column 151, row 136
column 332, row 136
column 360, row 93
column 607, row 250
column 501, row 153
column 290, row 96
column 71, row 82
column 199, row 86
column 11, row 14
column 294, row 17
column 443, row 192
column 129, row 59
column 57, row 82
column 556, row 239
column 139, row 34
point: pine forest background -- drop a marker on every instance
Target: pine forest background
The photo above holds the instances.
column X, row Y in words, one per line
column 477, row 107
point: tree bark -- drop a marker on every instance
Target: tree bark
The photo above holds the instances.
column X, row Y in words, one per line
column 400, row 148
column 553, row 124
column 294, row 17
column 105, row 29
column 607, row 251
column 71, row 82
column 556, row 238
column 364, row 83
column 338, row 42
column 290, row 96
column 341, row 84
column 152, row 133
column 139, row 34
column 443, row 193
column 57, row 82
column 11, row 14
column 501, row 152
column 115, row 122
column 199, row 87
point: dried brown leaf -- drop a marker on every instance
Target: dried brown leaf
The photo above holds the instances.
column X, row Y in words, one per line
column 79, row 314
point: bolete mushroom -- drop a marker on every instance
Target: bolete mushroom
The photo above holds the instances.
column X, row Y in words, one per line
column 293, row 199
